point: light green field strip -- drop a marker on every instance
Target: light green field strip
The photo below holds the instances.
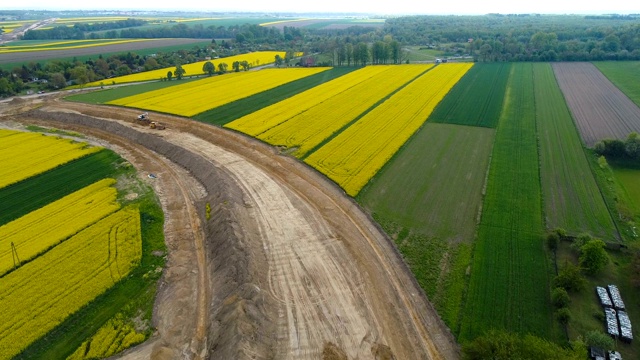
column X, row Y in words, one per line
column 508, row 286
column 625, row 75
column 572, row 199
column 432, row 191
column 104, row 43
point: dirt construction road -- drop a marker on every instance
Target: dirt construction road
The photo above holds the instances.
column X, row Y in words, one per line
column 287, row 267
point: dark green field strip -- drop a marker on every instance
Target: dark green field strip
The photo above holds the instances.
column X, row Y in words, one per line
column 33, row 193
column 237, row 109
column 572, row 199
column 508, row 286
column 477, row 98
column 110, row 94
column 431, row 190
column 625, row 75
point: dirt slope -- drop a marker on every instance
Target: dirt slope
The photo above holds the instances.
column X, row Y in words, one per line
column 288, row 266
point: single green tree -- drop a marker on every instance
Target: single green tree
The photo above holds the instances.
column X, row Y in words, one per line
column 169, row 75
column 553, row 239
column 560, row 298
column 279, row 60
column 563, row 315
column 179, row 72
column 598, row 339
column 222, row 68
column 570, row 278
column 632, row 145
column 209, row 68
column 593, row 256
column 245, row 65
column 236, row 66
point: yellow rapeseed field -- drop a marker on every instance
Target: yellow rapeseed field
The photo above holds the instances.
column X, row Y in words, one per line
column 353, row 157
column 23, row 154
column 254, row 59
column 310, row 128
column 41, row 229
column 44, row 292
column 198, row 96
column 115, row 336
column 264, row 119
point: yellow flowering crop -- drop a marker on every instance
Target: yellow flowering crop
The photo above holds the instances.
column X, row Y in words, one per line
column 23, row 155
column 254, row 59
column 355, row 155
column 41, row 229
column 264, row 119
column 310, row 128
column 44, row 292
column 115, row 336
column 198, row 96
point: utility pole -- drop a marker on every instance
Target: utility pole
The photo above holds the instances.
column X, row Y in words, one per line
column 14, row 255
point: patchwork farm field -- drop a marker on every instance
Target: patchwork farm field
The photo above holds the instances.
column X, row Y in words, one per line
column 266, row 118
column 67, row 237
column 350, row 162
column 599, row 109
column 477, row 98
column 309, row 129
column 234, row 110
column 26, row 154
column 572, row 199
column 465, row 166
column 509, row 272
column 428, row 197
column 196, row 97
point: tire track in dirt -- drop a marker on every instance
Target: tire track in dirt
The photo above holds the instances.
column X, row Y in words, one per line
column 315, row 291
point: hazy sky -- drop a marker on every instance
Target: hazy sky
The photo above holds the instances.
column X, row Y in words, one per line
column 360, row 6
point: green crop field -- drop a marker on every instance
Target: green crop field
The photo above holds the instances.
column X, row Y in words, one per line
column 629, row 178
column 428, row 198
column 572, row 199
column 623, row 74
column 239, row 108
column 477, row 98
column 35, row 192
column 508, row 286
column 113, row 93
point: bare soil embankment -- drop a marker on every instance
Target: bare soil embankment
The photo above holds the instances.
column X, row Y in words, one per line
column 289, row 267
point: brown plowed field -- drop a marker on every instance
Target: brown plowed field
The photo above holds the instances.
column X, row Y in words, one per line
column 7, row 58
column 288, row 267
column 599, row 109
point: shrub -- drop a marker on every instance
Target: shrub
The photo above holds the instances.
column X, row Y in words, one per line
column 599, row 339
column 560, row 298
column 570, row 278
column 563, row 315
column 593, row 256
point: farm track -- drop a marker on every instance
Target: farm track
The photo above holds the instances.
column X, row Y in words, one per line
column 346, row 285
